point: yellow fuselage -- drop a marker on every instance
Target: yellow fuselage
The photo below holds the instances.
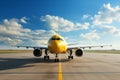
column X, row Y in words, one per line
column 57, row 45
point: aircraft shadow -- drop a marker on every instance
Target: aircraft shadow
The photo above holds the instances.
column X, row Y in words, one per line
column 13, row 63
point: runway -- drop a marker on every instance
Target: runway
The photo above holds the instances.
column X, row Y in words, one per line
column 92, row 66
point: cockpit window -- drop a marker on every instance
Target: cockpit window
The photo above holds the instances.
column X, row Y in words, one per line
column 57, row 39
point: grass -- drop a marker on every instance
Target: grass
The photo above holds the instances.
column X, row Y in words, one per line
column 15, row 51
column 104, row 51
column 90, row 51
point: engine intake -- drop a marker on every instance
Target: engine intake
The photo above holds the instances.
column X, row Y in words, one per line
column 37, row 52
column 79, row 52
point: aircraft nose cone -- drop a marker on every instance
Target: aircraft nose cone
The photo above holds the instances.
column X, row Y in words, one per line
column 56, row 47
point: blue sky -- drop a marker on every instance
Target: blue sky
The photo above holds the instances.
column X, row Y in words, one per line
column 32, row 22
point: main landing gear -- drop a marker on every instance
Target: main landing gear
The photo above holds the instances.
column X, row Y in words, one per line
column 70, row 56
column 46, row 57
column 56, row 58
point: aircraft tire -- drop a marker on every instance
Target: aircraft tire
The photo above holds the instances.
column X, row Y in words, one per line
column 71, row 57
column 68, row 57
column 56, row 60
column 48, row 57
column 44, row 57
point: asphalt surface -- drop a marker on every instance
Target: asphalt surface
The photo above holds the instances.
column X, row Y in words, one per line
column 92, row 66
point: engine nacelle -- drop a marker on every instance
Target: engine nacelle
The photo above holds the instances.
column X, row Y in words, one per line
column 37, row 52
column 79, row 52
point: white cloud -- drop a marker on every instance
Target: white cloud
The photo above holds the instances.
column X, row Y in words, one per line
column 56, row 22
column 85, row 16
column 11, row 27
column 90, row 36
column 107, row 15
column 13, row 33
column 110, row 30
column 8, row 40
column 23, row 20
column 106, row 25
column 105, row 19
column 82, row 26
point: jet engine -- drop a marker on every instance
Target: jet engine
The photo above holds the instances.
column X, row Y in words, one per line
column 37, row 52
column 79, row 52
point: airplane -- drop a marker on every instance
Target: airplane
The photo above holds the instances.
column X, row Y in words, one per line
column 57, row 45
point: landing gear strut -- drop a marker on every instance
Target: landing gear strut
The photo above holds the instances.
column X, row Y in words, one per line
column 56, row 58
column 46, row 57
column 70, row 56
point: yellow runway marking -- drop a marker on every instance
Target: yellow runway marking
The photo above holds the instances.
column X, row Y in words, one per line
column 60, row 71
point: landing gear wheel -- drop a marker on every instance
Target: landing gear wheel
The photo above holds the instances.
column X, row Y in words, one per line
column 46, row 57
column 70, row 57
column 56, row 60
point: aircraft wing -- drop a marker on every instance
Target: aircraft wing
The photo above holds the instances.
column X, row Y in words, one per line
column 69, row 44
column 83, row 47
column 34, row 47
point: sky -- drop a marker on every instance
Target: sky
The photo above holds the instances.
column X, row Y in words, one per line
column 33, row 22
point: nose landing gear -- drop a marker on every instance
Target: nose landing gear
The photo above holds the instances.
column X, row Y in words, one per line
column 56, row 58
